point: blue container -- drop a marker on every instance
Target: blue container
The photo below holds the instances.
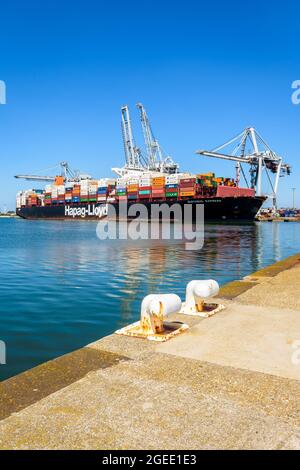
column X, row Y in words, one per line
column 75, row 199
column 171, row 185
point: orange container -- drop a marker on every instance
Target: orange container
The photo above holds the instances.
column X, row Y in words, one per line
column 187, row 193
column 59, row 180
column 132, row 189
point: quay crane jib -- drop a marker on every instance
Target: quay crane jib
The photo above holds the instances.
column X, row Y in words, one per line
column 66, row 172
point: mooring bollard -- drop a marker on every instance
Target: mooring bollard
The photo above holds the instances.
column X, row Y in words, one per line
column 197, row 291
column 155, row 309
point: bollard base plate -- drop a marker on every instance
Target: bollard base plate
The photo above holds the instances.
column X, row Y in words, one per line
column 209, row 309
column 171, row 329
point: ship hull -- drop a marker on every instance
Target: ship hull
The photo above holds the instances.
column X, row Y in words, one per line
column 215, row 209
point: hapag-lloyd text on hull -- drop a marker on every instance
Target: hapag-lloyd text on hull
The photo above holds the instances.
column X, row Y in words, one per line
column 91, row 210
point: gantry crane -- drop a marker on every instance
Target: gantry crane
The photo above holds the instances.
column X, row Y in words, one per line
column 155, row 159
column 259, row 156
column 135, row 160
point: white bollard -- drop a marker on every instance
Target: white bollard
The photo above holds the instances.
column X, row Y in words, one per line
column 154, row 308
column 197, row 292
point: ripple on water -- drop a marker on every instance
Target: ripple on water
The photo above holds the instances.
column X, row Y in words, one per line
column 62, row 288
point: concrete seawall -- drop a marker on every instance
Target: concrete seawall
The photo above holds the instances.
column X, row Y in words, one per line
column 232, row 381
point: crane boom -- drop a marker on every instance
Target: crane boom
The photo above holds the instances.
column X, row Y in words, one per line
column 35, row 178
column 66, row 172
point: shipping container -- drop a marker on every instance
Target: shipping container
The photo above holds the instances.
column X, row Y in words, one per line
column 146, row 191
column 187, row 193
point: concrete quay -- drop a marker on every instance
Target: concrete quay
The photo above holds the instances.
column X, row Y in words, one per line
column 232, row 381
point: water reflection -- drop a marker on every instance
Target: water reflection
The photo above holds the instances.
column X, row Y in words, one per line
column 61, row 287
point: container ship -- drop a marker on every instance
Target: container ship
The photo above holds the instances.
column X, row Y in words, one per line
column 156, row 179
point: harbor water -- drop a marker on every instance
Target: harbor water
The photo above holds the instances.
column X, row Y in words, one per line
column 62, row 287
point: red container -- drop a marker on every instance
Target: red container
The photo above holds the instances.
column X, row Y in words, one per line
column 246, row 192
column 187, row 180
column 227, row 191
column 187, row 185
column 187, row 188
column 158, row 191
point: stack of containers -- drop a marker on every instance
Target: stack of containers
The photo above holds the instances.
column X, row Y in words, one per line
column 84, row 190
column 23, row 199
column 54, row 195
column 145, row 186
column 32, row 199
column 69, row 190
column 18, row 200
column 102, row 190
column 205, row 179
column 93, row 188
column 229, row 182
column 187, row 187
column 172, row 185
column 48, row 191
column 111, row 188
column 132, row 188
column 158, row 187
column 61, row 194
column 76, row 193
column 121, row 189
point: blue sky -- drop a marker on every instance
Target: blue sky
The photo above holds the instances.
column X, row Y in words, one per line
column 203, row 70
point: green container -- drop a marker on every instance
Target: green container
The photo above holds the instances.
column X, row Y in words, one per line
column 93, row 199
column 171, row 194
column 145, row 191
column 121, row 193
column 84, row 199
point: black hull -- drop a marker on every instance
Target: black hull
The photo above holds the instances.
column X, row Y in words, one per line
column 218, row 209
